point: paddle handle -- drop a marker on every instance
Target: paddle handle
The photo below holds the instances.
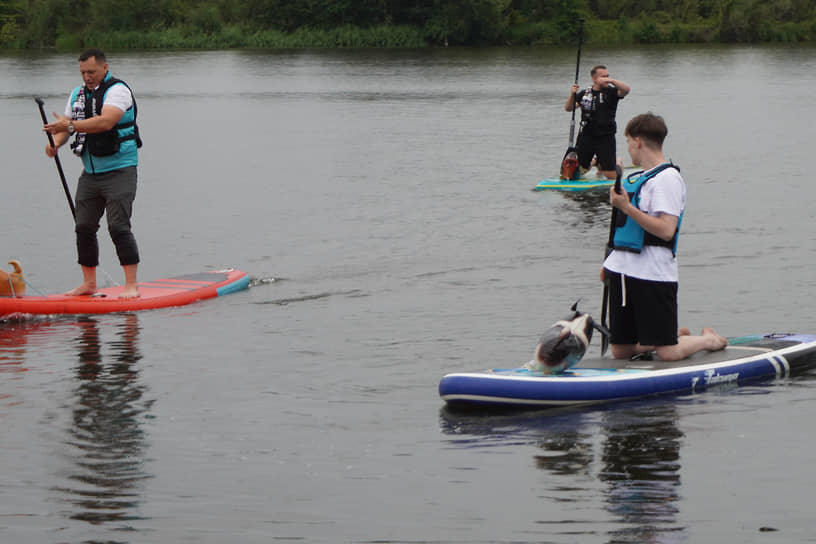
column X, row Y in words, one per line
column 577, row 69
column 41, row 104
column 610, row 243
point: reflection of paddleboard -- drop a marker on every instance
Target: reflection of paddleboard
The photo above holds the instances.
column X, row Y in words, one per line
column 596, row 380
column 162, row 293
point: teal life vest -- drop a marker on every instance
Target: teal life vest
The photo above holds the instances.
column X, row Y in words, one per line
column 629, row 236
column 115, row 148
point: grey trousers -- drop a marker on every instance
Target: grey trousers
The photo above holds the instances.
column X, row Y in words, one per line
column 111, row 193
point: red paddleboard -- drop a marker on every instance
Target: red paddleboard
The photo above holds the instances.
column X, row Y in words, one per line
column 161, row 293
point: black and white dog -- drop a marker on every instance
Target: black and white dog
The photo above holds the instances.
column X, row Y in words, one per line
column 565, row 343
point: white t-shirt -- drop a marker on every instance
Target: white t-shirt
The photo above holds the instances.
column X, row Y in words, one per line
column 664, row 193
column 118, row 96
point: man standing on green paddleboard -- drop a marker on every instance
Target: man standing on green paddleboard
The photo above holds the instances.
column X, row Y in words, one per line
column 101, row 114
column 599, row 105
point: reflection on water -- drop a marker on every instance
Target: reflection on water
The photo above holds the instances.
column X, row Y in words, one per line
column 12, row 360
column 566, row 453
column 590, row 204
column 106, row 442
column 582, row 211
column 641, row 467
column 13, row 341
column 638, row 456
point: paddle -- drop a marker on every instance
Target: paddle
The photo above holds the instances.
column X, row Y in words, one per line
column 609, row 245
column 40, row 103
column 568, row 171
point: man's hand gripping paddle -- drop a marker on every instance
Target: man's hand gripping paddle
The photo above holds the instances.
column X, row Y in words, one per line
column 609, row 246
column 40, row 103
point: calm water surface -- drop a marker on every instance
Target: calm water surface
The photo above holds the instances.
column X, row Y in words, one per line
column 382, row 202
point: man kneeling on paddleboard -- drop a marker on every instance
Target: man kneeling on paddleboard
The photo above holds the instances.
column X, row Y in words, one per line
column 599, row 105
column 642, row 266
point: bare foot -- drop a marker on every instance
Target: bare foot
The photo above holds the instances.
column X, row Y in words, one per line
column 82, row 290
column 717, row 342
column 683, row 331
column 129, row 292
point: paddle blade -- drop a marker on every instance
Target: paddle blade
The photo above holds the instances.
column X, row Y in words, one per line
column 569, row 166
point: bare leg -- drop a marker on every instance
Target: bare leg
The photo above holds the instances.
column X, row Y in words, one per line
column 612, row 174
column 622, row 351
column 88, row 286
column 687, row 346
column 131, row 289
column 594, row 164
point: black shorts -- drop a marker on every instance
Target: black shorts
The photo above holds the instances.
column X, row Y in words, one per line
column 649, row 316
column 589, row 146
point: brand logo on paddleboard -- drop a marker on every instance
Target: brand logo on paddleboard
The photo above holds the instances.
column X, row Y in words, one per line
column 711, row 377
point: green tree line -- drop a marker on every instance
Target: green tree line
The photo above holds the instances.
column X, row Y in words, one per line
column 146, row 24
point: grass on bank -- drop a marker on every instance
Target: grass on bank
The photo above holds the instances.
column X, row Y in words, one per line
column 597, row 32
column 236, row 37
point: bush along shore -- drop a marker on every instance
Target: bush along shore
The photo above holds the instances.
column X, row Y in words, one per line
column 279, row 24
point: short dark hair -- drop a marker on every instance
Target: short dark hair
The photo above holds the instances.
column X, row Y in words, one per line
column 596, row 68
column 93, row 52
column 649, row 127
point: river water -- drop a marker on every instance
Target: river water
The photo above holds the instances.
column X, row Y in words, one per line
column 382, row 202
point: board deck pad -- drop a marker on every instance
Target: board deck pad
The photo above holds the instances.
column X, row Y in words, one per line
column 160, row 293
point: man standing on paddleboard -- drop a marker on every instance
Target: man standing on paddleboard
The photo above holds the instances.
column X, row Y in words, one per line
column 101, row 115
column 599, row 105
column 642, row 267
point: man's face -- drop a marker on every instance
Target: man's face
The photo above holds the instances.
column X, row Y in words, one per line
column 600, row 73
column 93, row 72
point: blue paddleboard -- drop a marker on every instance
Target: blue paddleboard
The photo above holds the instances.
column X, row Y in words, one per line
column 596, row 380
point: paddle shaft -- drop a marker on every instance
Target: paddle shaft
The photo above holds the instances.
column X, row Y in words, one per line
column 609, row 246
column 610, row 243
column 577, row 69
column 41, row 104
